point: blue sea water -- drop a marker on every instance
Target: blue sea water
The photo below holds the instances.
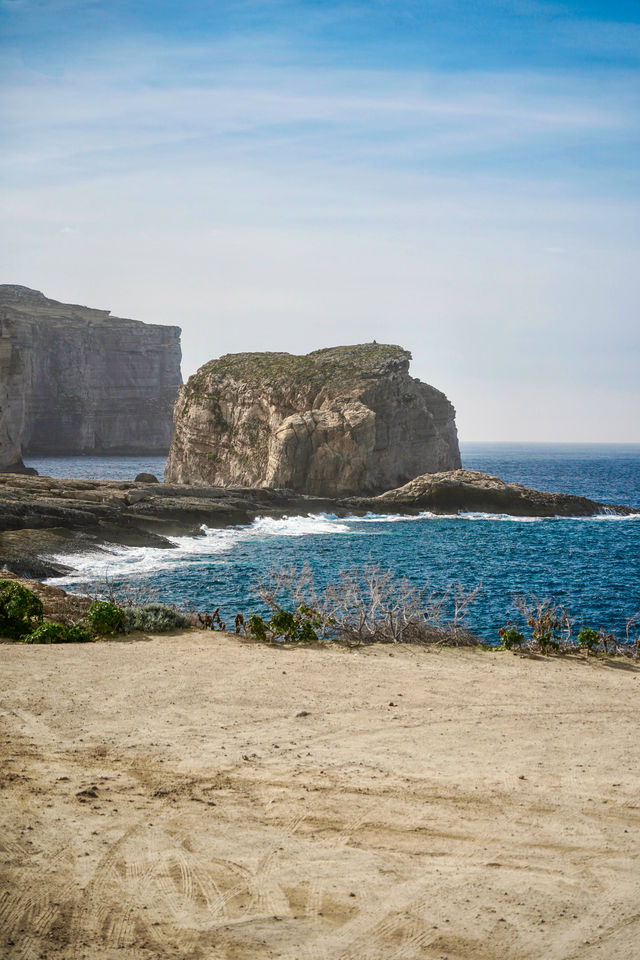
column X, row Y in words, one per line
column 590, row 565
column 97, row 468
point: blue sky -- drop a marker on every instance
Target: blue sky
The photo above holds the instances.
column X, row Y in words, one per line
column 458, row 177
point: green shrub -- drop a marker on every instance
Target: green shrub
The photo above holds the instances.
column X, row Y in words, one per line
column 79, row 633
column 59, row 633
column 257, row 627
column 283, row 624
column 48, row 633
column 104, row 618
column 154, row 618
column 306, row 633
column 588, row 638
column 286, row 626
column 20, row 610
column 547, row 641
column 511, row 637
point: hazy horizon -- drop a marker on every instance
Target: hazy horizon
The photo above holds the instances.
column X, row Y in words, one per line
column 458, row 179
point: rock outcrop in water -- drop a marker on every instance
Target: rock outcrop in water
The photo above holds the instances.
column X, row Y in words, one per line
column 473, row 492
column 74, row 380
column 341, row 421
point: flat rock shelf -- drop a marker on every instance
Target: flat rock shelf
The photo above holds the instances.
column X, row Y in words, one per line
column 41, row 516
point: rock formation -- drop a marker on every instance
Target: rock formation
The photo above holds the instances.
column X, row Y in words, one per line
column 471, row 491
column 341, row 421
column 75, row 380
column 13, row 396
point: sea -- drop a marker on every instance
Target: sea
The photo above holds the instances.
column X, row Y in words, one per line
column 591, row 566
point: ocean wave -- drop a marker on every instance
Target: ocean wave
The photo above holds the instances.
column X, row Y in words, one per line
column 429, row 515
column 114, row 560
column 478, row 515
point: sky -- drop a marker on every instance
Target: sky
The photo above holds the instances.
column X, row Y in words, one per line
column 458, row 177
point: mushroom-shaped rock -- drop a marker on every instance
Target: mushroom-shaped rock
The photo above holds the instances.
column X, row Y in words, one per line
column 336, row 422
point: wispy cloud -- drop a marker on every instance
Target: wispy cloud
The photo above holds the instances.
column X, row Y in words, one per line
column 88, row 118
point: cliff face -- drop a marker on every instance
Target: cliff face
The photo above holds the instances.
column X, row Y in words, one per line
column 347, row 420
column 77, row 380
column 13, row 393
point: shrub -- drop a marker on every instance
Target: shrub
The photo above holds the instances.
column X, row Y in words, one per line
column 257, row 627
column 588, row 638
column 301, row 625
column 212, row 621
column 59, row 633
column 79, row 633
column 105, row 618
column 550, row 624
column 283, row 624
column 20, row 610
column 47, row 633
column 364, row 605
column 154, row 618
column 511, row 637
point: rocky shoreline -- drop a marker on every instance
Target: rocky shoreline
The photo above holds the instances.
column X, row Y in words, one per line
column 43, row 517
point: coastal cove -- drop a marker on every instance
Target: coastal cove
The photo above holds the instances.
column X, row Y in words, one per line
column 589, row 564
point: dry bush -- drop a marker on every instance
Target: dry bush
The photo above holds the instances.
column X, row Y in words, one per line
column 633, row 635
column 294, row 587
column 369, row 604
column 550, row 624
column 126, row 594
column 551, row 631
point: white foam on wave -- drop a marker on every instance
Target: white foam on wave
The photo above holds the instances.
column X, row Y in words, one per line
column 429, row 515
column 477, row 515
column 115, row 561
column 611, row 515
column 500, row 517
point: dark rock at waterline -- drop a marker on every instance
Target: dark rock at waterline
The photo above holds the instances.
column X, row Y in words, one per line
column 469, row 490
column 19, row 467
column 146, row 478
column 43, row 518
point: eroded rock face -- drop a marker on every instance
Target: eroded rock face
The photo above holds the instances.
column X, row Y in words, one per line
column 14, row 376
column 341, row 421
column 77, row 380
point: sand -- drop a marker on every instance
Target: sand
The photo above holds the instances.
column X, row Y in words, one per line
column 196, row 796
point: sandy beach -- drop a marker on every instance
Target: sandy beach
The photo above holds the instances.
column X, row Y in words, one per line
column 197, row 796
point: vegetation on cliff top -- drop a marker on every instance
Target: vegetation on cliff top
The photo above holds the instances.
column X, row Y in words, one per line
column 335, row 365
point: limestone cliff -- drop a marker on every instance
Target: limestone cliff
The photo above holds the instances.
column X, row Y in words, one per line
column 341, row 421
column 13, row 395
column 76, row 380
